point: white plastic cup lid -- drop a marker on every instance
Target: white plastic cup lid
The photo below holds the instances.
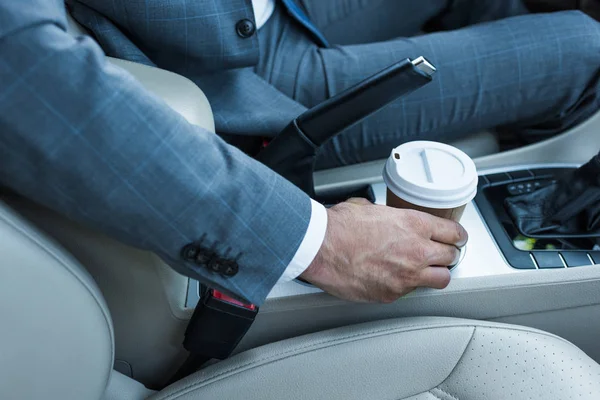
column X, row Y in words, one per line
column 431, row 174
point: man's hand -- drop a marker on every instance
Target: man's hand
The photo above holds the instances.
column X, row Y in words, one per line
column 375, row 253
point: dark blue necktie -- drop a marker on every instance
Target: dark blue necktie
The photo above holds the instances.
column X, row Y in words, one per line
column 299, row 15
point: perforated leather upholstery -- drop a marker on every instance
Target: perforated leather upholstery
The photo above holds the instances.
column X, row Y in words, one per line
column 421, row 358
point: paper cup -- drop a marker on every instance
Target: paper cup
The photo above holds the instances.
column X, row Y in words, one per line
column 431, row 177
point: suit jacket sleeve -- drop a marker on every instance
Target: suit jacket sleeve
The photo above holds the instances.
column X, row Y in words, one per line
column 84, row 138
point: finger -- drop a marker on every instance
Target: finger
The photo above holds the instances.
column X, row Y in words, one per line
column 359, row 201
column 449, row 232
column 442, row 254
column 435, row 277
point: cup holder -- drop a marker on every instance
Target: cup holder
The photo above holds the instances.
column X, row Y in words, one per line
column 461, row 257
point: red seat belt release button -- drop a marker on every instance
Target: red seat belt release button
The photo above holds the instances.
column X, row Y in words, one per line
column 223, row 297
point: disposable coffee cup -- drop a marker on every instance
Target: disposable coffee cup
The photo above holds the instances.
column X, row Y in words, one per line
column 431, row 177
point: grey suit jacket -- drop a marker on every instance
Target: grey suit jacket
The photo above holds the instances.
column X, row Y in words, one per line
column 84, row 138
column 198, row 40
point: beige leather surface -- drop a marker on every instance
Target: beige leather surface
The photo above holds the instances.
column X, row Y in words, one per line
column 580, row 325
column 145, row 296
column 178, row 92
column 563, row 301
column 577, row 146
column 56, row 338
column 421, row 358
column 122, row 387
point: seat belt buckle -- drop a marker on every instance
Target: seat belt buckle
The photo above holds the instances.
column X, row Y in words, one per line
column 218, row 324
column 265, row 142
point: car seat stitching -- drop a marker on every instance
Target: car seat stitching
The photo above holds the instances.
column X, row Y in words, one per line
column 460, row 360
column 313, row 346
column 308, row 348
column 434, row 395
column 446, row 393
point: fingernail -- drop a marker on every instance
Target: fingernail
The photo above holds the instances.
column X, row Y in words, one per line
column 456, row 259
column 464, row 241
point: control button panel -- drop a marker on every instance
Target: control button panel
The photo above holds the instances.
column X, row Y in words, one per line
column 548, row 259
column 525, row 187
column 521, row 260
column 549, row 172
column 528, row 187
column 523, row 174
column 576, row 258
column 498, row 179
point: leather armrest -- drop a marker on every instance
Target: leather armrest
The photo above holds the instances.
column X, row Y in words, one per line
column 178, row 92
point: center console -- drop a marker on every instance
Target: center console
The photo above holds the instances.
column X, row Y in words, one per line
column 496, row 247
column 547, row 283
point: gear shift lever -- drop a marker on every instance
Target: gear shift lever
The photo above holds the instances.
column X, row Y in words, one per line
column 292, row 153
column 568, row 207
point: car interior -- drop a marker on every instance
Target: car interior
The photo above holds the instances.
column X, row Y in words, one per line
column 107, row 321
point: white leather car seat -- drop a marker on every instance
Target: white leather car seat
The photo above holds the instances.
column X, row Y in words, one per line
column 56, row 342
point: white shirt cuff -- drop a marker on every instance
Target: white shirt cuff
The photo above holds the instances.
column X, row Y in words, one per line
column 313, row 239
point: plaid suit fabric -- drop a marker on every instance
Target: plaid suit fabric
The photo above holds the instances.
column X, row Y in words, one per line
column 85, row 139
column 531, row 74
column 499, row 67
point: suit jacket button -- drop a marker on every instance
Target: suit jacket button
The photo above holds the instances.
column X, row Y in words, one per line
column 189, row 252
column 204, row 257
column 231, row 268
column 245, row 28
column 215, row 265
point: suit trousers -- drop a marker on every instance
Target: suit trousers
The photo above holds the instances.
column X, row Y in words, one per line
column 499, row 67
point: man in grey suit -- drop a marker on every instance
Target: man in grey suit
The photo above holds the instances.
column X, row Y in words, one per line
column 85, row 139
column 263, row 62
